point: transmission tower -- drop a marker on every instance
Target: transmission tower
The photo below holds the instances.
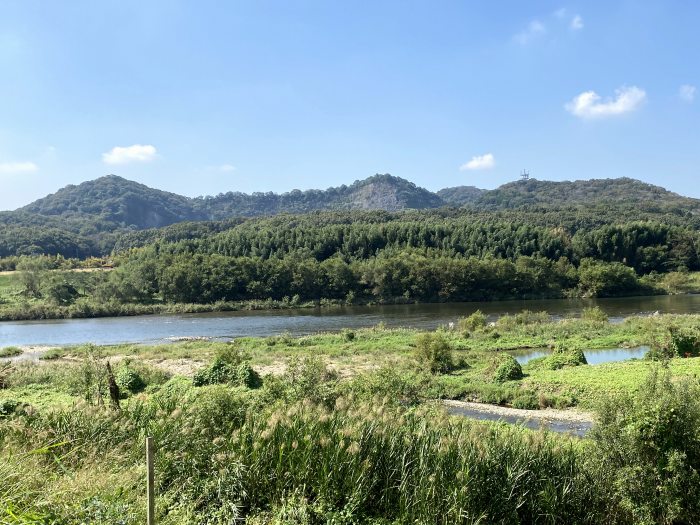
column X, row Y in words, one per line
column 525, row 175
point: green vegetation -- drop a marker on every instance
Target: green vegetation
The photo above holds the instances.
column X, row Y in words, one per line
column 340, row 428
column 554, row 240
column 10, row 351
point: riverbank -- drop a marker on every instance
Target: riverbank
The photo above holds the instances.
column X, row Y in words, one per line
column 15, row 307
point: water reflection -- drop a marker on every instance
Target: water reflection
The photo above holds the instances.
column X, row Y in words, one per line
column 227, row 325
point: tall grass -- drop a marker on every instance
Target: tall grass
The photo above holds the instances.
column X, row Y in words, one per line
column 221, row 456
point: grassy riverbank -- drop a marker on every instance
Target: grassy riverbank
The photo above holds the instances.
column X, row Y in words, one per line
column 340, row 428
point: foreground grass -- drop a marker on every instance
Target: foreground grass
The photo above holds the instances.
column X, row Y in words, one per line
column 337, row 432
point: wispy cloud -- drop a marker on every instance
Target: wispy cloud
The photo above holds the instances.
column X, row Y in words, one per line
column 533, row 30
column 687, row 92
column 479, row 162
column 127, row 154
column 16, row 168
column 227, row 168
column 576, row 23
column 589, row 104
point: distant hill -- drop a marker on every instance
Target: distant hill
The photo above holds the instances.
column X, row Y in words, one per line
column 116, row 200
column 380, row 192
column 87, row 219
column 460, row 195
column 626, row 191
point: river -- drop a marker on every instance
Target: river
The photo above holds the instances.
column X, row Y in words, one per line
column 228, row 325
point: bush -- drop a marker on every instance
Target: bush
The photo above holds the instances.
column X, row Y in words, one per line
column 527, row 401
column 505, row 368
column 434, row 353
column 52, row 353
column 221, row 372
column 348, row 335
column 10, row 351
column 564, row 357
column 650, row 444
column 679, row 342
column 309, row 378
column 594, row 314
column 524, row 318
column 230, row 365
column 129, row 380
column 473, row 322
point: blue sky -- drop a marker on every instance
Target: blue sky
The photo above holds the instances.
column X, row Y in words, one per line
column 208, row 96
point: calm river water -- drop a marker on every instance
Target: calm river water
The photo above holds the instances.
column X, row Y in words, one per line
column 228, row 325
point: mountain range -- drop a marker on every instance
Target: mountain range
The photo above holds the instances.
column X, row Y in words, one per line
column 88, row 217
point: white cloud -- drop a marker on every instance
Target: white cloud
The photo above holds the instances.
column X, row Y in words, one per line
column 687, row 92
column 227, row 168
column 577, row 23
column 533, row 30
column 126, row 154
column 590, row 105
column 14, row 168
column 479, row 162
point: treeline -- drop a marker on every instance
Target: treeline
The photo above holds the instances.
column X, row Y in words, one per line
column 393, row 275
column 646, row 246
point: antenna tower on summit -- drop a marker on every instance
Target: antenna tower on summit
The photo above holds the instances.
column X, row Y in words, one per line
column 525, row 175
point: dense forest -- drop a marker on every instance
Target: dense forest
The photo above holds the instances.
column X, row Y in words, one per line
column 587, row 241
column 89, row 219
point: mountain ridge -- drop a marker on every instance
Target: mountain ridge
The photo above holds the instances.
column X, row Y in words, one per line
column 86, row 219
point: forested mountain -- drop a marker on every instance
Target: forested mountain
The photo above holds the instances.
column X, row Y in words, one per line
column 460, row 195
column 379, row 192
column 625, row 191
column 88, row 219
column 112, row 199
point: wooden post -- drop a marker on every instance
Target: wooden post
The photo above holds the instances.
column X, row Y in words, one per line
column 150, row 520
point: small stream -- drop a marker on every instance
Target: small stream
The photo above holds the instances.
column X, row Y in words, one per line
column 593, row 357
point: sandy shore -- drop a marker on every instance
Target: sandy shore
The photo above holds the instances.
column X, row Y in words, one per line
column 547, row 414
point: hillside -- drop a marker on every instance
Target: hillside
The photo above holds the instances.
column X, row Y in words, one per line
column 460, row 195
column 89, row 218
column 622, row 191
column 380, row 192
column 86, row 219
column 116, row 200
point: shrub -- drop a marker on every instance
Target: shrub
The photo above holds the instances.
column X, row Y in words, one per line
column 650, row 444
column 473, row 322
column 526, row 400
column 52, row 353
column 10, row 351
column 434, row 353
column 678, row 342
column 348, row 335
column 309, row 378
column 230, row 365
column 594, row 314
column 129, row 379
column 505, row 368
column 564, row 357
